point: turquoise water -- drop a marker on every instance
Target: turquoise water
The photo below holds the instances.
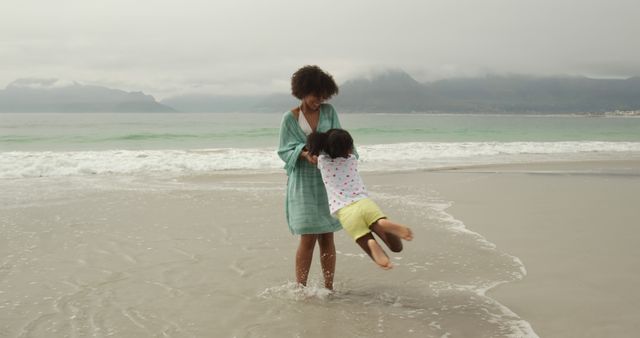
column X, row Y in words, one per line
column 486, row 128
column 70, row 132
column 36, row 132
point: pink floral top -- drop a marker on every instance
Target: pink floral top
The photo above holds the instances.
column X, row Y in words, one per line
column 342, row 181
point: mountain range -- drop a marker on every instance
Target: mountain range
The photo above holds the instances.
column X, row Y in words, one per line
column 48, row 95
column 390, row 92
column 491, row 94
column 398, row 92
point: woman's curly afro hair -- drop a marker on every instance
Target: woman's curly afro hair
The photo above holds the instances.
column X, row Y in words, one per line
column 311, row 80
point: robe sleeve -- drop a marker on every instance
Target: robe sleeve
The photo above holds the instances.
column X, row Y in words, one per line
column 290, row 145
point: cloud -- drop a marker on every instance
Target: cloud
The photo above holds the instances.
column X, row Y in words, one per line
column 253, row 47
column 36, row 83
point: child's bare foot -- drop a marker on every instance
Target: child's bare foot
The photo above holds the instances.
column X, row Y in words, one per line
column 378, row 255
column 396, row 229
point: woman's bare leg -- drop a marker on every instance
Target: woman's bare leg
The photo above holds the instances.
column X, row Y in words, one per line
column 304, row 255
column 327, row 258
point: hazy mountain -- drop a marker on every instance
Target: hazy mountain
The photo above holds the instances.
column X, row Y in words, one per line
column 391, row 92
column 50, row 95
column 397, row 91
column 535, row 94
column 218, row 103
column 493, row 94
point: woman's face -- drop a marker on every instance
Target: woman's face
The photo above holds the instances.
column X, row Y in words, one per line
column 312, row 102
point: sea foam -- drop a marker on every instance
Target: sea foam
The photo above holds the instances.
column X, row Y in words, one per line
column 378, row 157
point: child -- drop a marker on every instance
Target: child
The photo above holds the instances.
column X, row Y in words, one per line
column 348, row 198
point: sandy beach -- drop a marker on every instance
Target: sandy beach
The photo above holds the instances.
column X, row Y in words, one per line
column 211, row 256
column 574, row 226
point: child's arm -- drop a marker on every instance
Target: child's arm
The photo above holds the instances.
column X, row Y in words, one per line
column 306, row 154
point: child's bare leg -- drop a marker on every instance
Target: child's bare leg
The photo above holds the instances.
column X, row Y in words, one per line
column 362, row 242
column 304, row 255
column 327, row 258
column 373, row 249
column 378, row 254
column 393, row 242
column 395, row 229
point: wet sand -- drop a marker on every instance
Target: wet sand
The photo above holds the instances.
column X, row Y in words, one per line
column 212, row 256
column 574, row 225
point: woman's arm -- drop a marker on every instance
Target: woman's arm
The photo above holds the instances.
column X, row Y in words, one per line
column 291, row 147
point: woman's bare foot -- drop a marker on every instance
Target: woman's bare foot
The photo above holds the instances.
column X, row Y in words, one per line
column 396, row 229
column 378, row 255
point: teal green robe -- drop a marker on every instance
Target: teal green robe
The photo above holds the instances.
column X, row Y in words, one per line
column 306, row 205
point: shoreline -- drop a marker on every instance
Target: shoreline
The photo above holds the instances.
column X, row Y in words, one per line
column 549, row 312
column 162, row 239
column 549, row 215
column 534, row 166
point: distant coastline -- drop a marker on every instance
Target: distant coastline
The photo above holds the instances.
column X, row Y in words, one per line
column 388, row 92
column 623, row 113
column 49, row 96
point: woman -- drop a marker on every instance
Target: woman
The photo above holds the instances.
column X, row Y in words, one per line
column 306, row 205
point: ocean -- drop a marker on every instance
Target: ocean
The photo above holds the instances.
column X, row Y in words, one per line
column 42, row 145
column 146, row 225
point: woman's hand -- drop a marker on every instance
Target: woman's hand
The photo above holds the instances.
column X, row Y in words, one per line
column 313, row 159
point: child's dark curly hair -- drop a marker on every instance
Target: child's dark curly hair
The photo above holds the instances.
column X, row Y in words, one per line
column 335, row 142
column 311, row 80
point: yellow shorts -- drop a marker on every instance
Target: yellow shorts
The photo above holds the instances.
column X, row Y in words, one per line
column 358, row 216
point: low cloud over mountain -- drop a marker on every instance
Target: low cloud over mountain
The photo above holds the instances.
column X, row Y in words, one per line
column 396, row 91
column 52, row 95
column 390, row 92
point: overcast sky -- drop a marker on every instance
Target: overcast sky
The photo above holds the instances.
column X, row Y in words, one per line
column 166, row 48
